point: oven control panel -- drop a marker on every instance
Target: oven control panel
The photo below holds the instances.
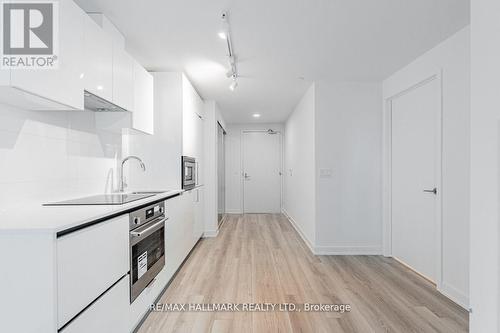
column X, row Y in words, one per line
column 146, row 214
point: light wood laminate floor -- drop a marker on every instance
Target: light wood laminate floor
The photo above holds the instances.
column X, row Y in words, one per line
column 260, row 258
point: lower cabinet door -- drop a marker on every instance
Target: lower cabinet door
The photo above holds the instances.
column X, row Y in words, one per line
column 89, row 261
column 199, row 212
column 108, row 314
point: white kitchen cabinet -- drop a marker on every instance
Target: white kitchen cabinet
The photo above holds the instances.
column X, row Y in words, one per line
column 143, row 111
column 107, row 315
column 199, row 215
column 109, row 28
column 189, row 219
column 179, row 231
column 28, row 273
column 52, row 89
column 89, row 261
column 188, row 133
column 147, row 297
column 123, row 78
column 98, row 52
column 193, row 126
column 192, row 110
column 199, row 149
column 191, row 99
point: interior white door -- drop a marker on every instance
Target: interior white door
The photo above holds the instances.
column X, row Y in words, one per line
column 261, row 172
column 414, row 177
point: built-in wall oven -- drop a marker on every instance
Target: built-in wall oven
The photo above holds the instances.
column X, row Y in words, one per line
column 189, row 173
column 147, row 246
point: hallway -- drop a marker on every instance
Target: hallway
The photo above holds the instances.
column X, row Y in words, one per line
column 260, row 258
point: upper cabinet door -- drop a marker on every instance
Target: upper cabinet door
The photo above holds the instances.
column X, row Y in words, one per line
column 192, row 117
column 123, row 78
column 64, row 84
column 143, row 112
column 98, row 53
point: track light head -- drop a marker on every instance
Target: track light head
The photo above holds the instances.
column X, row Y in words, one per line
column 224, row 30
column 233, row 85
column 222, row 34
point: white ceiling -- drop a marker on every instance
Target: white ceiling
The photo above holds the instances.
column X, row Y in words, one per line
column 277, row 42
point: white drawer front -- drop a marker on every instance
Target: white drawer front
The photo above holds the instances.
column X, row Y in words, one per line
column 142, row 303
column 89, row 261
column 107, row 315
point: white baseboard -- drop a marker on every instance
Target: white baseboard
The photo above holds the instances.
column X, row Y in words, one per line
column 333, row 250
column 233, row 211
column 347, row 250
column 210, row 233
column 455, row 295
column 299, row 231
column 452, row 293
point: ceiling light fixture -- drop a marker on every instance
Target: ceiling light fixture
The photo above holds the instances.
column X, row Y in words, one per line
column 233, row 85
column 225, row 33
column 256, row 115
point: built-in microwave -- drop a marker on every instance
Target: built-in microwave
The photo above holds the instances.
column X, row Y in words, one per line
column 189, row 171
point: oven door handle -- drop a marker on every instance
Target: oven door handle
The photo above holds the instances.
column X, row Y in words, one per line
column 149, row 230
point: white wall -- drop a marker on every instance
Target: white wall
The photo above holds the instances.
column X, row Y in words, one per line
column 299, row 190
column 234, row 167
column 162, row 151
column 485, row 166
column 348, row 144
column 452, row 58
column 48, row 156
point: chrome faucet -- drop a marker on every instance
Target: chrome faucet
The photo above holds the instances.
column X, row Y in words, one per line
column 122, row 179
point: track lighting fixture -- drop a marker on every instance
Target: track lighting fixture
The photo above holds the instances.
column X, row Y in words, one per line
column 225, row 33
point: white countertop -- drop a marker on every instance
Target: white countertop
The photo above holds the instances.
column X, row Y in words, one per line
column 53, row 219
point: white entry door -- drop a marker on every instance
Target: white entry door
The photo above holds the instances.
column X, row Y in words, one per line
column 261, row 172
column 415, row 152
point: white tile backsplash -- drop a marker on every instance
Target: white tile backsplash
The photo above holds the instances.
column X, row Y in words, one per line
column 46, row 156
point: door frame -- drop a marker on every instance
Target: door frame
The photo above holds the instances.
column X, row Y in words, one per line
column 387, row 168
column 242, row 164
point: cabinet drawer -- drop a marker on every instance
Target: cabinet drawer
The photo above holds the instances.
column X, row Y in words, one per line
column 89, row 261
column 147, row 297
column 107, row 315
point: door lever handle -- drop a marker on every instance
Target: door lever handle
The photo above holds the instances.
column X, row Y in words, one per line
column 434, row 190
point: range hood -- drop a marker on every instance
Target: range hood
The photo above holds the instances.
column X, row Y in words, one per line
column 95, row 103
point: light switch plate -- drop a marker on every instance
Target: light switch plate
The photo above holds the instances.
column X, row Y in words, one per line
column 325, row 173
